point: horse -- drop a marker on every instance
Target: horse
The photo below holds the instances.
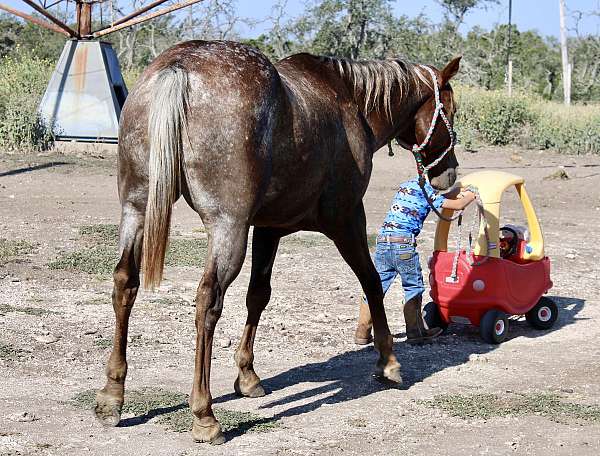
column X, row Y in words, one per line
column 280, row 147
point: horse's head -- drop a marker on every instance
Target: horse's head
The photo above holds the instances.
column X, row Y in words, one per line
column 431, row 136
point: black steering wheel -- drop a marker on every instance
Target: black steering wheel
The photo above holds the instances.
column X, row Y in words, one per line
column 511, row 249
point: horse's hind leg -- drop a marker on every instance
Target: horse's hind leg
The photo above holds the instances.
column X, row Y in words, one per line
column 226, row 253
column 109, row 400
column 264, row 247
column 351, row 241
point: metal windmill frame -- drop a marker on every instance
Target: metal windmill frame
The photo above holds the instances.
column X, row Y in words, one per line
column 86, row 92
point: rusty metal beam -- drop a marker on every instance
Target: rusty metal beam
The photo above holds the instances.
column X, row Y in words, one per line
column 138, row 12
column 147, row 17
column 50, row 17
column 84, row 18
column 33, row 19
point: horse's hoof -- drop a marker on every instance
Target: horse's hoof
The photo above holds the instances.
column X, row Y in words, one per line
column 108, row 409
column 211, row 433
column 255, row 390
column 390, row 376
column 393, row 376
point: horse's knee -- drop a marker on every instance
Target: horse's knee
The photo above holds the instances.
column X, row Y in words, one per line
column 201, row 405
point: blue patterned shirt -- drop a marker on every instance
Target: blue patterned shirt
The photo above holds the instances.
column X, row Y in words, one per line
column 409, row 209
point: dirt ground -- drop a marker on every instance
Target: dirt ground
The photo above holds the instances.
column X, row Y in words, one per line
column 537, row 393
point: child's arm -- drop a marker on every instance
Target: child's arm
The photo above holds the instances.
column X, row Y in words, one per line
column 457, row 200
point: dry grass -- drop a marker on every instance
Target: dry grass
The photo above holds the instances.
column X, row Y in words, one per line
column 171, row 410
column 9, row 352
column 100, row 256
column 485, row 406
column 6, row 308
column 11, row 250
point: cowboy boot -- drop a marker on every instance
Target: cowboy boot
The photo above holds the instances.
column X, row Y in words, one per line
column 363, row 329
column 416, row 331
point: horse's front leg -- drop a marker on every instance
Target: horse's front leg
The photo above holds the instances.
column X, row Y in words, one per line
column 351, row 241
column 226, row 252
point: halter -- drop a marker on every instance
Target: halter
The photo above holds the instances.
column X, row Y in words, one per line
column 439, row 112
column 418, row 148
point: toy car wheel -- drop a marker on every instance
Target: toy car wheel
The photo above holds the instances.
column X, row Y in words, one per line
column 543, row 315
column 432, row 316
column 494, row 327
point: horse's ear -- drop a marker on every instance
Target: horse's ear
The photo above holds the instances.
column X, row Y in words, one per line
column 450, row 70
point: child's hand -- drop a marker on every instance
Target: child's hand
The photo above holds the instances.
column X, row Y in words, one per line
column 467, row 194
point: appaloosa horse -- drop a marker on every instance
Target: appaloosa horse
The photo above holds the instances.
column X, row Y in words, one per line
column 282, row 147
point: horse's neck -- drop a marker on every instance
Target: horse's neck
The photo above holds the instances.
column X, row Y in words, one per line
column 385, row 126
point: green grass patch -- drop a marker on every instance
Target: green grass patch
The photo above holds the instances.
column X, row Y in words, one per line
column 172, row 411
column 102, row 256
column 103, row 342
column 95, row 301
column 6, row 308
column 168, row 301
column 485, row 406
column 187, row 252
column 99, row 260
column 11, row 353
column 10, row 250
column 105, row 233
column 296, row 242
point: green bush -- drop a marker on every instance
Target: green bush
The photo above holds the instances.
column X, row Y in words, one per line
column 23, row 80
column 573, row 129
column 492, row 118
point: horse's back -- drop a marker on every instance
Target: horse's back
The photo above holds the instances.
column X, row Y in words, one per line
column 233, row 98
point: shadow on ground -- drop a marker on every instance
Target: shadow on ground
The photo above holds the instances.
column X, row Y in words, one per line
column 346, row 375
column 28, row 169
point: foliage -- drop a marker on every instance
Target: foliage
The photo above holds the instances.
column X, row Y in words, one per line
column 494, row 117
column 573, row 129
column 359, row 29
column 490, row 117
column 23, row 80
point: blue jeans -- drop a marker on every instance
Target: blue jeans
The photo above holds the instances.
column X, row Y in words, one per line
column 392, row 259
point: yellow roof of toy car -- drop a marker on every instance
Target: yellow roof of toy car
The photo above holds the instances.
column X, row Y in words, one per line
column 491, row 184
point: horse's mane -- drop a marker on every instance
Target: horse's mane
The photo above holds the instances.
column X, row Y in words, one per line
column 375, row 79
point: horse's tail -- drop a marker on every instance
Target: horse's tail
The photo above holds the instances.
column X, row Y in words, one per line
column 166, row 127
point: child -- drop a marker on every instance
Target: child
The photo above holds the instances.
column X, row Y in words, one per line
column 396, row 254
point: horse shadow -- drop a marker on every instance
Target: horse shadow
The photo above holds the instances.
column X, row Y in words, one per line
column 345, row 375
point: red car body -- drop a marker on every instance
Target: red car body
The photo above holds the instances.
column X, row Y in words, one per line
column 509, row 285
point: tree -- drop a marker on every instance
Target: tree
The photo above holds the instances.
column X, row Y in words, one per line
column 346, row 28
column 456, row 10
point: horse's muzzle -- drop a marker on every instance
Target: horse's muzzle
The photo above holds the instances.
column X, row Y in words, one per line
column 445, row 180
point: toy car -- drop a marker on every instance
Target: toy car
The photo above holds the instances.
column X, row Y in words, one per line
column 507, row 274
